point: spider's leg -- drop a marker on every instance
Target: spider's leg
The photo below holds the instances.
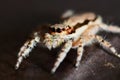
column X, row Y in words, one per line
column 26, row 49
column 80, row 51
column 111, row 28
column 67, row 14
column 114, row 29
column 106, row 45
column 62, row 55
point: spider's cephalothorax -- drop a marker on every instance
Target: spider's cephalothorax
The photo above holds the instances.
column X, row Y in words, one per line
column 76, row 31
column 57, row 35
column 59, row 28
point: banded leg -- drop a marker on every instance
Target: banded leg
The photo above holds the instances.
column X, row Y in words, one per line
column 26, row 49
column 79, row 55
column 107, row 45
column 62, row 55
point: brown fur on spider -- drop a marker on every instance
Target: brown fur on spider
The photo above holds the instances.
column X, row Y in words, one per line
column 76, row 31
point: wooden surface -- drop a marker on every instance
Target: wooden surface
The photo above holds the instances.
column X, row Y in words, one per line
column 18, row 18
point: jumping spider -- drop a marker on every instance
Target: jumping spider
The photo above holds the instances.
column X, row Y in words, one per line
column 76, row 31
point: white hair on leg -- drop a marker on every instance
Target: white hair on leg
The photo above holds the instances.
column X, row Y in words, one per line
column 110, row 28
column 107, row 45
column 113, row 29
column 62, row 55
column 26, row 49
column 79, row 55
column 67, row 14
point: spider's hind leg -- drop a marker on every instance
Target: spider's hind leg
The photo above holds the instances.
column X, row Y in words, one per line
column 106, row 45
column 114, row 29
column 26, row 49
column 111, row 28
column 67, row 14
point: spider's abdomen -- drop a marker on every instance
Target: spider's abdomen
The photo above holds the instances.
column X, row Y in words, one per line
column 72, row 21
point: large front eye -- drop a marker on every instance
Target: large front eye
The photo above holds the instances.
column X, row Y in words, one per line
column 63, row 29
column 58, row 30
column 52, row 29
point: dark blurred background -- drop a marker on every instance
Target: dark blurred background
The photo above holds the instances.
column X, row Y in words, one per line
column 19, row 17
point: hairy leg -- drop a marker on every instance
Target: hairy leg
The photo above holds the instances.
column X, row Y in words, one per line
column 114, row 29
column 111, row 28
column 26, row 49
column 67, row 14
column 106, row 45
column 62, row 55
column 79, row 55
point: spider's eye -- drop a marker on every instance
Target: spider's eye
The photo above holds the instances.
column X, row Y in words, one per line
column 69, row 27
column 58, row 30
column 63, row 29
column 52, row 29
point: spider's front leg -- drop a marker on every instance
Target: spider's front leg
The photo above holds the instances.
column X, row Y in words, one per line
column 62, row 55
column 27, row 48
column 106, row 45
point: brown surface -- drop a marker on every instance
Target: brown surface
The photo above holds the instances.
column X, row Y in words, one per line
column 17, row 20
